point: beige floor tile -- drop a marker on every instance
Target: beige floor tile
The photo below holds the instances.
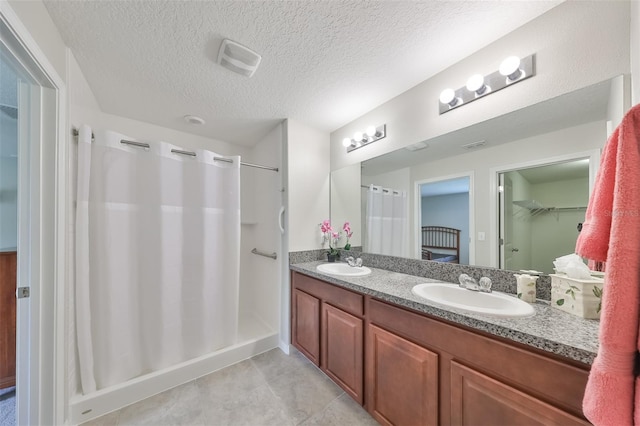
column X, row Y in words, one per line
column 230, row 383
column 177, row 406
column 275, row 363
column 340, row 412
column 305, row 392
column 270, row 389
column 258, row 407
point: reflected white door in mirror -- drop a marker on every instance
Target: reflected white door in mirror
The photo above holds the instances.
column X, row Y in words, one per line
column 537, row 209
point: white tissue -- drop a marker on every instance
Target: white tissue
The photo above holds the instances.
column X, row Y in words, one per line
column 573, row 266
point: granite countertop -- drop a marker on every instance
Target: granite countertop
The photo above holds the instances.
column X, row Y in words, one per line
column 550, row 329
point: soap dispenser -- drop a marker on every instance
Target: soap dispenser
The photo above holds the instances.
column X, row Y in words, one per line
column 526, row 287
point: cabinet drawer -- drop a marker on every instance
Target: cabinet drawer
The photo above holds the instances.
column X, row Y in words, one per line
column 339, row 297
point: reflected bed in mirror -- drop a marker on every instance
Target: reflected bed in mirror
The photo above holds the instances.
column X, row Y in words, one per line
column 570, row 127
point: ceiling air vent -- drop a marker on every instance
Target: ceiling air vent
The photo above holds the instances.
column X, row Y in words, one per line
column 473, row 145
column 238, row 58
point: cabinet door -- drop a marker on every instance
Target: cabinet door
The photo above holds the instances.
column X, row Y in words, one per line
column 479, row 399
column 7, row 319
column 305, row 322
column 342, row 343
column 402, row 380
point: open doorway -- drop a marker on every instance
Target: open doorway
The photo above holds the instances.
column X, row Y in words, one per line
column 445, row 222
column 9, row 81
column 540, row 211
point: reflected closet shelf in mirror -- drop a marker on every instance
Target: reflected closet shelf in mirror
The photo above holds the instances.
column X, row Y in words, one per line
column 535, row 208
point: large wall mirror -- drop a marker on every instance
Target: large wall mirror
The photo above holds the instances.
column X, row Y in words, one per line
column 509, row 192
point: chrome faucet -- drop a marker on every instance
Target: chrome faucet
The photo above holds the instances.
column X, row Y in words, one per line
column 470, row 284
column 354, row 262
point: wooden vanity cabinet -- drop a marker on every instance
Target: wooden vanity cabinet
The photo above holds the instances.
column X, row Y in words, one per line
column 327, row 326
column 421, row 370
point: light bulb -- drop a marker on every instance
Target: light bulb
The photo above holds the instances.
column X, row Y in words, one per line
column 371, row 131
column 357, row 136
column 448, row 96
column 476, row 84
column 346, row 142
column 510, row 68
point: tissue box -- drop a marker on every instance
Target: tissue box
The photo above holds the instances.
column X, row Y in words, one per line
column 578, row 297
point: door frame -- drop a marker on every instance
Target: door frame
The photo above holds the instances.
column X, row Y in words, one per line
column 494, row 248
column 45, row 258
column 417, row 213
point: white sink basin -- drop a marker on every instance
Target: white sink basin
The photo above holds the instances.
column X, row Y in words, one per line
column 495, row 303
column 343, row 269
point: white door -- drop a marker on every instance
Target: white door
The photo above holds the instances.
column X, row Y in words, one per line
column 507, row 250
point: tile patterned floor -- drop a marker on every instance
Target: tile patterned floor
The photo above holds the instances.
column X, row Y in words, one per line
column 8, row 406
column 268, row 389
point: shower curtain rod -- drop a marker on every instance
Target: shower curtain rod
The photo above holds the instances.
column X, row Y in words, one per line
column 189, row 153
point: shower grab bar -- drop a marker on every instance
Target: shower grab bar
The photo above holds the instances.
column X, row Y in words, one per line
column 261, row 253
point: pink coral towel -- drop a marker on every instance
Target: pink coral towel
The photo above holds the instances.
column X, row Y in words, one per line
column 611, row 233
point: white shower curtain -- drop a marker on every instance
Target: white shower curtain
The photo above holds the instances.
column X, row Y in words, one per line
column 157, row 257
column 386, row 220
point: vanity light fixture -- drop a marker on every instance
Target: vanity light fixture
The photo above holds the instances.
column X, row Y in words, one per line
column 361, row 139
column 476, row 84
column 511, row 71
column 510, row 68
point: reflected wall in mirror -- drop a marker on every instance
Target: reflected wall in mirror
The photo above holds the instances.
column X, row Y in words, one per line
column 345, row 202
column 539, row 212
column 563, row 127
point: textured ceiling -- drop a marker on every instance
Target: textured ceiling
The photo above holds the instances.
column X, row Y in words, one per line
column 324, row 63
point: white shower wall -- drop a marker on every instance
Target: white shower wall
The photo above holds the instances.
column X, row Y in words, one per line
column 260, row 277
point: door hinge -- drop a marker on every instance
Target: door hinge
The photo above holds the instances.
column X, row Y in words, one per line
column 22, row 292
column 501, row 241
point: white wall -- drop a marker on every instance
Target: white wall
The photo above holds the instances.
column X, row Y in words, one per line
column 345, row 188
column 554, row 234
column 8, row 182
column 576, row 45
column 308, row 185
column 36, row 19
